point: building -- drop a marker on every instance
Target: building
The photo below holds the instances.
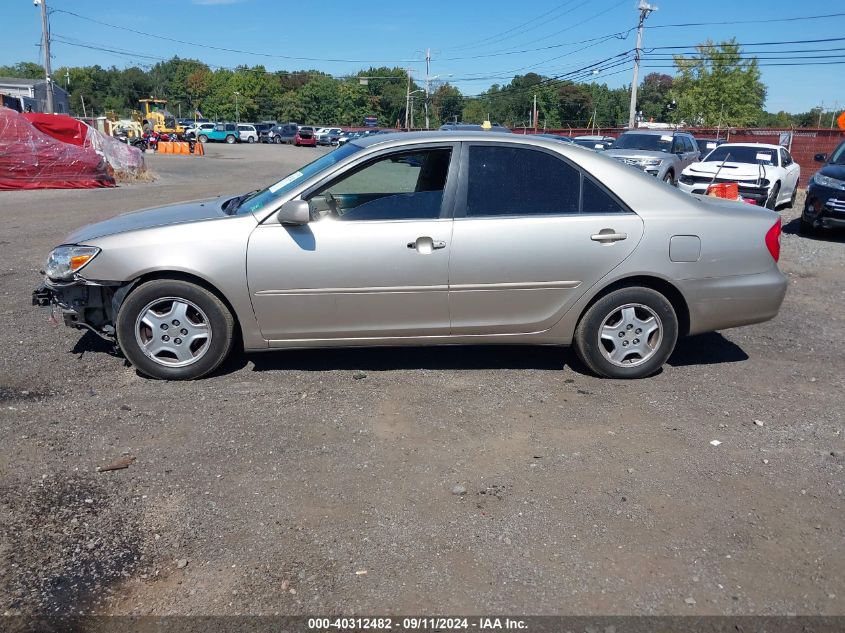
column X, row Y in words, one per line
column 32, row 93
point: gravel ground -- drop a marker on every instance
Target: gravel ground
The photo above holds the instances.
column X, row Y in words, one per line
column 452, row 480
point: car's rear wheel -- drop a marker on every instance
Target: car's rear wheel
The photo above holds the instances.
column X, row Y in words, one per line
column 230, row 139
column 772, row 202
column 250, row 139
column 277, row 140
column 203, row 138
column 174, row 330
column 628, row 333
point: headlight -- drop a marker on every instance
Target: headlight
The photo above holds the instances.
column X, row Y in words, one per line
column 64, row 261
column 827, row 181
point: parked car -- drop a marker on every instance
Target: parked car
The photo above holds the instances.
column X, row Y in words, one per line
column 608, row 260
column 825, row 204
column 199, row 128
column 596, row 142
column 305, row 137
column 263, row 129
column 248, row 133
column 328, row 135
column 222, row 132
column 282, row 133
column 656, row 152
column 345, row 137
column 556, row 137
column 707, row 145
column 764, row 173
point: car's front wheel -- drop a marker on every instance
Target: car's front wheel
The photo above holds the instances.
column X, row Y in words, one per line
column 250, row 139
column 230, row 139
column 669, row 178
column 628, row 333
column 772, row 202
column 174, row 330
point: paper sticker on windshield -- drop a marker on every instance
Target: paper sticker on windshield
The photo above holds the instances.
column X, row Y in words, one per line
column 711, row 145
column 668, row 138
column 764, row 156
column 286, row 181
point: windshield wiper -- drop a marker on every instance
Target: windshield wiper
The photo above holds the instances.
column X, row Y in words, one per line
column 231, row 206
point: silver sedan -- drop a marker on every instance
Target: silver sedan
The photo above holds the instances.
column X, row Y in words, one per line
column 425, row 239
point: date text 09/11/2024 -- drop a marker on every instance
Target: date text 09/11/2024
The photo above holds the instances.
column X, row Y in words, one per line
column 417, row 623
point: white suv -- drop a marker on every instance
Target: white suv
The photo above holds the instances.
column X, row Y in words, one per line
column 195, row 130
column 248, row 133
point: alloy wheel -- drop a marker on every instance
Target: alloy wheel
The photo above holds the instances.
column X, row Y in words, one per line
column 630, row 335
column 173, row 332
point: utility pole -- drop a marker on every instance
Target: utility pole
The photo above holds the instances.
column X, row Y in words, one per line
column 645, row 9
column 408, row 102
column 45, row 38
column 237, row 112
column 427, row 84
column 534, row 114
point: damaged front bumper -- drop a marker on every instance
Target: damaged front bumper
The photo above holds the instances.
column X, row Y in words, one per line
column 84, row 304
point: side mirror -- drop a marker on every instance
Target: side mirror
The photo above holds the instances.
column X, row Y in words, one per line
column 295, row 212
column 820, row 158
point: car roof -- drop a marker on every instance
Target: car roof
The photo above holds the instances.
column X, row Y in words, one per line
column 656, row 132
column 757, row 145
column 438, row 135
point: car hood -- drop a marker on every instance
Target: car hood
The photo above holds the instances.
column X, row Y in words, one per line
column 636, row 153
column 739, row 171
column 833, row 171
column 192, row 211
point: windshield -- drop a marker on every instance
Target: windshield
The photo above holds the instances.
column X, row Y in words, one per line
column 255, row 201
column 838, row 157
column 646, row 142
column 743, row 154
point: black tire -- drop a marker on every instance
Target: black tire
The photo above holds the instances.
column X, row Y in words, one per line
column 772, row 202
column 277, row 140
column 230, row 139
column 670, row 178
column 805, row 227
column 250, row 139
column 220, row 324
column 591, row 350
column 792, row 199
column 203, row 138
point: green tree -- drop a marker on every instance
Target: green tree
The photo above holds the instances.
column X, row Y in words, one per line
column 23, row 70
column 653, row 96
column 719, row 86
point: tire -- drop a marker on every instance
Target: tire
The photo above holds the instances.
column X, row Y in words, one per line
column 772, row 202
column 806, row 228
column 649, row 309
column 794, row 196
column 277, row 140
column 149, row 308
column 230, row 139
column 250, row 139
column 203, row 138
column 669, row 178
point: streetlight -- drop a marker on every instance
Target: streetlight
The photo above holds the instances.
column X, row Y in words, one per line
column 237, row 112
column 409, row 109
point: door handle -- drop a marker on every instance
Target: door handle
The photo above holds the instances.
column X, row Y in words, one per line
column 608, row 236
column 425, row 245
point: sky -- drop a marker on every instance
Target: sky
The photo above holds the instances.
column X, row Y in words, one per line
column 472, row 44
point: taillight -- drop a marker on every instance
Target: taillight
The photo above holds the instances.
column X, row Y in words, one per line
column 773, row 240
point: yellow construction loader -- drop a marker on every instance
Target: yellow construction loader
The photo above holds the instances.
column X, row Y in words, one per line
column 156, row 118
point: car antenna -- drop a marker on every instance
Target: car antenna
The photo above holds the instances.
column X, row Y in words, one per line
column 716, row 175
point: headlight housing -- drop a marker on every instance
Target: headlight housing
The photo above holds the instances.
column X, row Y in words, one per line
column 827, row 181
column 65, row 261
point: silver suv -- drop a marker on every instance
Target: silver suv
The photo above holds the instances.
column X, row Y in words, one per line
column 661, row 153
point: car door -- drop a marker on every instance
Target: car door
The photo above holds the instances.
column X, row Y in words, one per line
column 372, row 263
column 531, row 234
column 792, row 172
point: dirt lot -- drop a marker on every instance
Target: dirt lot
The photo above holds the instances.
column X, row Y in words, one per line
column 324, row 481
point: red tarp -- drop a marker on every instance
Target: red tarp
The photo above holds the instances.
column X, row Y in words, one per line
column 30, row 159
column 59, row 126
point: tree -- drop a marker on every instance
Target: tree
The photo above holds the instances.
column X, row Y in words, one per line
column 653, row 96
column 576, row 103
column 447, row 104
column 719, row 86
column 23, row 70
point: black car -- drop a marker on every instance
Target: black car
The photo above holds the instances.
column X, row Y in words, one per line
column 825, row 204
column 707, row 145
column 282, row 133
column 263, row 130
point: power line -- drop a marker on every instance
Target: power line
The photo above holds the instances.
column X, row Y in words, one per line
column 235, row 50
column 755, row 21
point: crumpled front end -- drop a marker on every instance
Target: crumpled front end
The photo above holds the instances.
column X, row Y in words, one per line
column 83, row 304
